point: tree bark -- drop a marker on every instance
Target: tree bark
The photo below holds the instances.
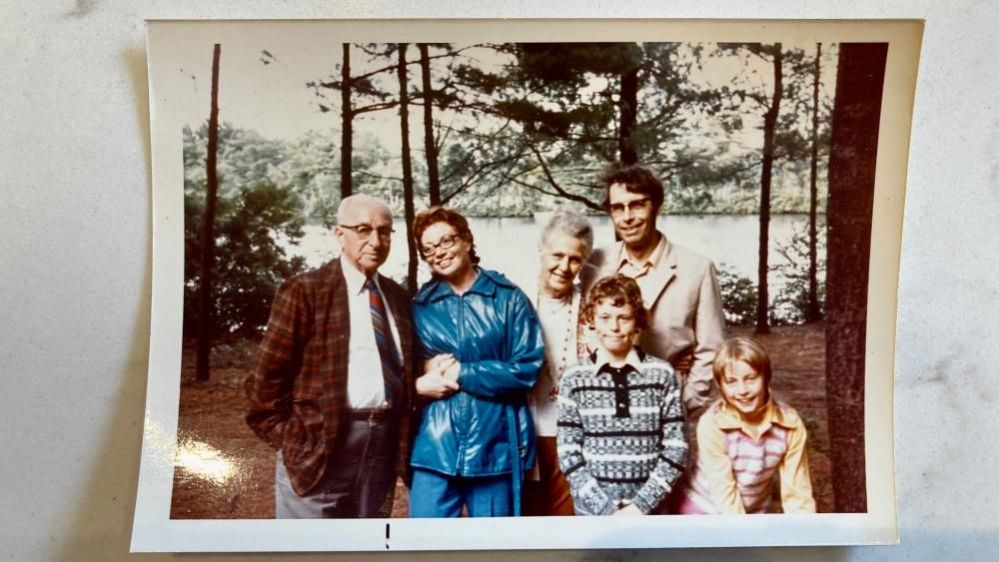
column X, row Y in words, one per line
column 433, row 177
column 346, row 127
column 769, row 128
column 205, row 308
column 407, row 170
column 629, row 115
column 813, row 312
column 852, row 160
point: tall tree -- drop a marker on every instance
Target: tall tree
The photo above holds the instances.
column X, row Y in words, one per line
column 628, row 152
column 429, row 142
column 205, row 316
column 407, row 170
column 346, row 126
column 258, row 220
column 813, row 313
column 576, row 107
column 766, row 179
column 362, row 86
column 852, row 161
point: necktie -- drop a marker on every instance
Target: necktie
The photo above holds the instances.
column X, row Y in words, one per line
column 385, row 342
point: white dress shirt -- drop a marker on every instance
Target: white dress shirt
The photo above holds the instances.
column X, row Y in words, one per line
column 365, row 384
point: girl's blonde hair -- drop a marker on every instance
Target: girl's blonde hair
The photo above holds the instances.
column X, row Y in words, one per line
column 747, row 350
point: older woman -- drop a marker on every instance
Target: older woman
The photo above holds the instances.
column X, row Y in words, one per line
column 483, row 347
column 566, row 243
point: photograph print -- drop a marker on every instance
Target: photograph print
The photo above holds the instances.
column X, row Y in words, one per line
column 513, row 276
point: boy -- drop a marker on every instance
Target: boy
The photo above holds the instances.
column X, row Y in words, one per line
column 621, row 442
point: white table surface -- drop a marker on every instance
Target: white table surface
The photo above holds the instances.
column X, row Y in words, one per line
column 75, row 257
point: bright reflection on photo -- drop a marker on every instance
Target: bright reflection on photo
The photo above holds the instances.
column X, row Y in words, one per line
column 202, row 460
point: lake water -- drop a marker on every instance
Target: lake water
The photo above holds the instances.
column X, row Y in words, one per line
column 509, row 245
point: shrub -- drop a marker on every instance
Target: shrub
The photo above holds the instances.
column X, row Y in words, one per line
column 738, row 296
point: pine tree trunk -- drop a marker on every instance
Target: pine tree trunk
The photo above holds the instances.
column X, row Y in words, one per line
column 407, row 170
column 852, row 160
column 433, row 178
column 769, row 128
column 813, row 313
column 629, row 115
column 205, row 308
column 346, row 127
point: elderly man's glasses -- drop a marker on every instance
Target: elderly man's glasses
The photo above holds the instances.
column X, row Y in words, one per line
column 633, row 206
column 445, row 243
column 364, row 231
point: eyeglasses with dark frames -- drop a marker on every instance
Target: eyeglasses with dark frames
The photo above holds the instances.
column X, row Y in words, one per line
column 364, row 230
column 446, row 242
column 633, row 206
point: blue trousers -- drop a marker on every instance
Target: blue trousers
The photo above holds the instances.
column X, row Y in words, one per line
column 433, row 494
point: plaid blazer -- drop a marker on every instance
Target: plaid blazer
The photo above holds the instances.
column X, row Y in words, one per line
column 298, row 393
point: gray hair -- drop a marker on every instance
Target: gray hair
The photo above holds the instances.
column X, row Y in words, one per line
column 350, row 202
column 572, row 223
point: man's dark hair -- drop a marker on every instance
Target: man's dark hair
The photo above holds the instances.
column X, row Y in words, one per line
column 637, row 179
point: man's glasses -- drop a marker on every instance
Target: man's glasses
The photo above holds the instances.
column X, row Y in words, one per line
column 445, row 243
column 364, row 231
column 633, row 206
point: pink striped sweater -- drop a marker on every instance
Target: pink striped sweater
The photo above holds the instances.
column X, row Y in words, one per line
column 737, row 463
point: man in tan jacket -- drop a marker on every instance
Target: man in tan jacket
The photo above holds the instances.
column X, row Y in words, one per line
column 679, row 287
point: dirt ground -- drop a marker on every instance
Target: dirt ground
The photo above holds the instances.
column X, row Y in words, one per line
column 224, row 471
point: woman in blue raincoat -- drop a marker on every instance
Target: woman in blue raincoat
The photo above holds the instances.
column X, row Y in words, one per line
column 483, row 347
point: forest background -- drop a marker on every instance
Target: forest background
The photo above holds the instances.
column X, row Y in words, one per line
column 497, row 131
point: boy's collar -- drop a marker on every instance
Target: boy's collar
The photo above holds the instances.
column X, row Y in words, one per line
column 635, row 358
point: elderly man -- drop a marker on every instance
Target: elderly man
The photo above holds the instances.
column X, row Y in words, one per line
column 332, row 389
column 679, row 287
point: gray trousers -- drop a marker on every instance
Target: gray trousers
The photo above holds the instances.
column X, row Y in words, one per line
column 357, row 482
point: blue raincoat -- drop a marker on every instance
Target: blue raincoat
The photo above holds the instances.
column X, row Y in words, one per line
column 485, row 428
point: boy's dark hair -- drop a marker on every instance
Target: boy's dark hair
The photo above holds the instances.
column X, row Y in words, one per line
column 621, row 291
column 636, row 179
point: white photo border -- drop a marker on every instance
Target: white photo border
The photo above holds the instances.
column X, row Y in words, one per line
column 153, row 530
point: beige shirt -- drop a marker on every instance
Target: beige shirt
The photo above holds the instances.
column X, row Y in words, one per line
column 640, row 270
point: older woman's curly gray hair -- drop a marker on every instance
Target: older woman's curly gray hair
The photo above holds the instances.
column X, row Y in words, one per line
column 572, row 223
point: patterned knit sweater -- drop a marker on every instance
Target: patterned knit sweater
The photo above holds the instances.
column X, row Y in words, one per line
column 620, row 433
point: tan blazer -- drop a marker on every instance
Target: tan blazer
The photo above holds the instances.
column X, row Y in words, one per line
column 686, row 312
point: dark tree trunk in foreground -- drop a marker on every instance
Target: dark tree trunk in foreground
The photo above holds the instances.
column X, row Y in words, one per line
column 346, row 127
column 852, row 159
column 769, row 128
column 629, row 115
column 433, row 177
column 812, row 312
column 407, row 170
column 205, row 312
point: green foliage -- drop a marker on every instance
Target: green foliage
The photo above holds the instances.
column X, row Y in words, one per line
column 738, row 297
column 313, row 168
column 253, row 216
column 565, row 65
column 790, row 305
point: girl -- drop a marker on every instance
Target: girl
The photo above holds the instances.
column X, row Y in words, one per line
column 745, row 440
